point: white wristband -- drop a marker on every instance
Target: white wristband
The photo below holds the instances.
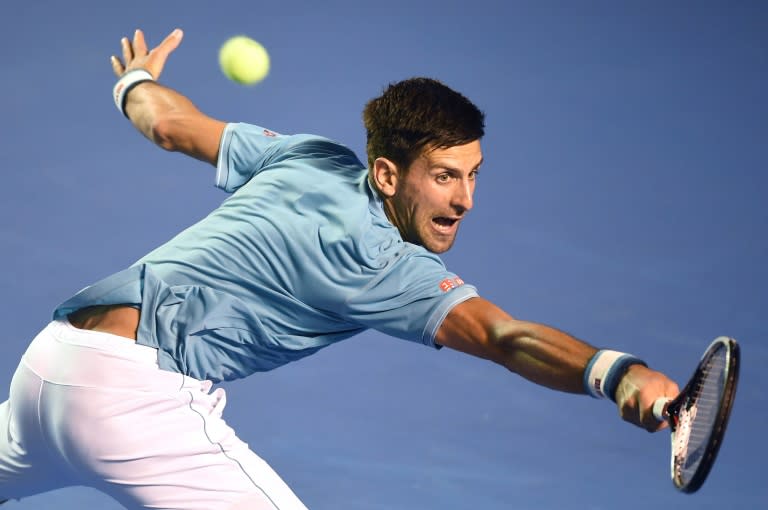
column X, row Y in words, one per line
column 605, row 370
column 126, row 82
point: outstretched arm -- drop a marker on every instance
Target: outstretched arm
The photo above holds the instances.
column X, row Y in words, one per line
column 548, row 357
column 161, row 114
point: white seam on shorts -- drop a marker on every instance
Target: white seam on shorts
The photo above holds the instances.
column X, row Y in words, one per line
column 39, row 417
column 221, row 448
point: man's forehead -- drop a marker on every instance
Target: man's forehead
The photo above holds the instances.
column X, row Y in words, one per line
column 469, row 154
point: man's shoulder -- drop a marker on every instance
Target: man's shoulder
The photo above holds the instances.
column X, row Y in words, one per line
column 289, row 141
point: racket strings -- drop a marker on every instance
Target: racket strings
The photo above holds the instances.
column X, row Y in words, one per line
column 698, row 417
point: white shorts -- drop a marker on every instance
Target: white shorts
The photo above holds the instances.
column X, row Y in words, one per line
column 90, row 408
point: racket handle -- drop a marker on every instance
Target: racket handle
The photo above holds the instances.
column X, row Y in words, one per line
column 660, row 408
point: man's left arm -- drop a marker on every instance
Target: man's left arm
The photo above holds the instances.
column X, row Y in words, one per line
column 165, row 117
column 550, row 358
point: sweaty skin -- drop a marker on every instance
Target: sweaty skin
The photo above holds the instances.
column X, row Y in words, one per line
column 426, row 202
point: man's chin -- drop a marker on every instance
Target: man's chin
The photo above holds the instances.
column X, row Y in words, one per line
column 439, row 245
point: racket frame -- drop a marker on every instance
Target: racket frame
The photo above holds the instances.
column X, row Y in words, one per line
column 670, row 411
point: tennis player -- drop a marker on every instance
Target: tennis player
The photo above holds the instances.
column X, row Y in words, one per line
column 311, row 247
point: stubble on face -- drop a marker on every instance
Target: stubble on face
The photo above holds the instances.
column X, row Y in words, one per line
column 434, row 194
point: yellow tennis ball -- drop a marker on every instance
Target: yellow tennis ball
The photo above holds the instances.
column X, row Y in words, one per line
column 244, row 60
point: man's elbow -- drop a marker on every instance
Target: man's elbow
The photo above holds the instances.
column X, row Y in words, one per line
column 164, row 131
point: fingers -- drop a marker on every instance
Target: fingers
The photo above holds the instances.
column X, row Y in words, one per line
column 170, row 43
column 139, row 44
column 127, row 48
column 117, row 66
column 632, row 411
column 650, row 423
column 653, row 413
column 136, row 54
column 174, row 38
column 637, row 394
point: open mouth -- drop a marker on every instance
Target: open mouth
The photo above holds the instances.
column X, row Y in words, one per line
column 444, row 224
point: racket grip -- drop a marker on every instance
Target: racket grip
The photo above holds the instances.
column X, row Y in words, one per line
column 660, row 408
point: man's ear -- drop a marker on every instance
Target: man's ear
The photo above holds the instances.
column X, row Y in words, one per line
column 384, row 176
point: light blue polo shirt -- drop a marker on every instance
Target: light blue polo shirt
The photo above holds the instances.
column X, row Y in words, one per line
column 298, row 257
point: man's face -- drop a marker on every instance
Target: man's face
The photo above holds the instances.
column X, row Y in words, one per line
column 429, row 200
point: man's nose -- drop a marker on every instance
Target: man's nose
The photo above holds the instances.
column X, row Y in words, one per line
column 462, row 198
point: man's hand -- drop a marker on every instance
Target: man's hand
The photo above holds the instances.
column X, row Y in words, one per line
column 166, row 117
column 637, row 392
column 136, row 56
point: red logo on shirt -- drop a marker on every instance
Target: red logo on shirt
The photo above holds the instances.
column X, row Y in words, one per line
column 451, row 283
column 267, row 132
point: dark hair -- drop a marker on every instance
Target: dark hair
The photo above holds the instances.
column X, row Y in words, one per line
column 415, row 114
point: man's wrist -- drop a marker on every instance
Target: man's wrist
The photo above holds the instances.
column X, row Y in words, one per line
column 605, row 371
column 127, row 81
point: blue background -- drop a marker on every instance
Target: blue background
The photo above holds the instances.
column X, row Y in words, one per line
column 622, row 200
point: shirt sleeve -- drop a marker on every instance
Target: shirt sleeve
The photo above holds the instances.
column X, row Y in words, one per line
column 244, row 150
column 411, row 298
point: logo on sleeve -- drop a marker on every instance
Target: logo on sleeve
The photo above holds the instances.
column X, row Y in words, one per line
column 451, row 283
column 267, row 132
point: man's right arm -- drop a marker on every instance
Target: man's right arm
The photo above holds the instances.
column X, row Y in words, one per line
column 548, row 357
column 161, row 114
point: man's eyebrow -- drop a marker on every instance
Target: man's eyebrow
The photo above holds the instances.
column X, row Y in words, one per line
column 450, row 168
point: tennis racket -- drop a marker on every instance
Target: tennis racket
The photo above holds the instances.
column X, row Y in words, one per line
column 698, row 416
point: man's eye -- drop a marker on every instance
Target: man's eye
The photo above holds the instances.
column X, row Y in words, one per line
column 443, row 178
